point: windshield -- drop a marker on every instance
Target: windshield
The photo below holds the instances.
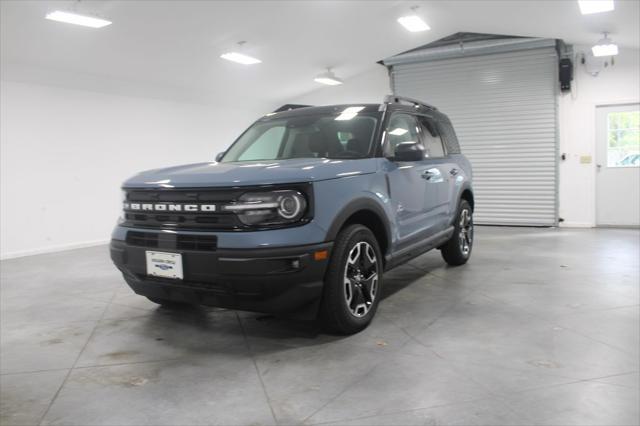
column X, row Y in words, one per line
column 345, row 135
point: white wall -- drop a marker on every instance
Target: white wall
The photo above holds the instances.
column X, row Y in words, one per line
column 64, row 154
column 619, row 84
column 577, row 127
column 369, row 87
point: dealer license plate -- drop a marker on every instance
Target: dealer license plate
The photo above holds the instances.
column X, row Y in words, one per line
column 165, row 265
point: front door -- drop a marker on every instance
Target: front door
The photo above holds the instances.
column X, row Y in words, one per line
column 617, row 165
column 409, row 182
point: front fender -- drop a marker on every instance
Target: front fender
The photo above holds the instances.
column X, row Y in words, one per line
column 337, row 199
column 355, row 206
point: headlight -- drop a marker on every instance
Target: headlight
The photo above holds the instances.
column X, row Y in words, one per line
column 269, row 208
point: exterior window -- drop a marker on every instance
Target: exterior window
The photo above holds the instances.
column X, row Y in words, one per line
column 265, row 146
column 623, row 141
column 322, row 135
column 431, row 138
column 402, row 128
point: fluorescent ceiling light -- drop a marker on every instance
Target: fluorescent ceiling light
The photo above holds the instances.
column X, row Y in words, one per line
column 349, row 112
column 605, row 47
column 328, row 78
column 240, row 58
column 74, row 18
column 398, row 131
column 327, row 81
column 587, row 7
column 413, row 23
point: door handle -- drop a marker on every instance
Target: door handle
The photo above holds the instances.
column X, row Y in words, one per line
column 427, row 175
column 453, row 172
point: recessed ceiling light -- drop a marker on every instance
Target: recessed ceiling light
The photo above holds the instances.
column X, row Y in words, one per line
column 240, row 58
column 328, row 78
column 77, row 19
column 413, row 22
column 605, row 47
column 588, row 7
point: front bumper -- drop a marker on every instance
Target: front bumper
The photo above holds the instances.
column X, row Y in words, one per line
column 286, row 280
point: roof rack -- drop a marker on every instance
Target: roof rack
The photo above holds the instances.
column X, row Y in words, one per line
column 394, row 99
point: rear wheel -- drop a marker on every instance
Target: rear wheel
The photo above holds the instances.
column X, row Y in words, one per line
column 457, row 250
column 353, row 282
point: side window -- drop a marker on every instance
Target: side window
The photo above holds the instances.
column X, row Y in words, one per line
column 265, row 147
column 431, row 138
column 449, row 137
column 401, row 128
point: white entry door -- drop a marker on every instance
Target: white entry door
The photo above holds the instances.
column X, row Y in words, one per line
column 618, row 165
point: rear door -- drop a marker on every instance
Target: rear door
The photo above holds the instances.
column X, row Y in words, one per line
column 440, row 177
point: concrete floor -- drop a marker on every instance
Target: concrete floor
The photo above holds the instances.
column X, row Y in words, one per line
column 541, row 327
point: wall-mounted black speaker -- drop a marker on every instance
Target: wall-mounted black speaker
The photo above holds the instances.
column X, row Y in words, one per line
column 566, row 74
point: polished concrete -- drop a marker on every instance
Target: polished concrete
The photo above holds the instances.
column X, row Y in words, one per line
column 541, row 327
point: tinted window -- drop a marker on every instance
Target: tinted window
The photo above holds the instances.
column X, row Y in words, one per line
column 402, row 128
column 449, row 137
column 431, row 138
column 345, row 135
column 265, row 146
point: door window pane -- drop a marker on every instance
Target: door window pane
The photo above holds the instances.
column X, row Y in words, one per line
column 431, row 138
column 401, row 128
column 623, row 139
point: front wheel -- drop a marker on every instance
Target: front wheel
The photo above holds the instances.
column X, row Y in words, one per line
column 457, row 250
column 353, row 282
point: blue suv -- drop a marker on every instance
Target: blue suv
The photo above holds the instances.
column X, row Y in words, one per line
column 302, row 214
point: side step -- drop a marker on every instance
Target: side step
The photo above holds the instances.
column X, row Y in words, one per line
column 415, row 250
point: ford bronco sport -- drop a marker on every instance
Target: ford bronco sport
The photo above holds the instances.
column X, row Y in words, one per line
column 302, row 214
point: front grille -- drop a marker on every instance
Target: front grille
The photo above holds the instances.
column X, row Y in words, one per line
column 197, row 242
column 172, row 241
column 218, row 220
column 143, row 239
column 185, row 220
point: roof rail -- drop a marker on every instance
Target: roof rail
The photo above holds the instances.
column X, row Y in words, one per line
column 394, row 99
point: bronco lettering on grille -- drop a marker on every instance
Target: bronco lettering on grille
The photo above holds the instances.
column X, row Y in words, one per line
column 172, row 207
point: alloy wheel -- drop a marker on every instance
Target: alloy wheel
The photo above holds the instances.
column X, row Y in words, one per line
column 466, row 232
column 361, row 279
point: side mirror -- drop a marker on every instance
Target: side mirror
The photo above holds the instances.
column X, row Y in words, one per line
column 219, row 156
column 408, row 151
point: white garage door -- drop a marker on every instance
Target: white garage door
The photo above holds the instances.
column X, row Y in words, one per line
column 503, row 108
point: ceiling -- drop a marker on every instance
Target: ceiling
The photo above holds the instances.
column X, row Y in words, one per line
column 171, row 49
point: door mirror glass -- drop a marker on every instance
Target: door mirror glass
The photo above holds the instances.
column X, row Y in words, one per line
column 219, row 156
column 408, row 151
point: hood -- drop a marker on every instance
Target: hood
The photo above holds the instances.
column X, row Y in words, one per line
column 250, row 173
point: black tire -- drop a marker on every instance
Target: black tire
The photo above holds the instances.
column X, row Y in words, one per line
column 169, row 304
column 457, row 250
column 336, row 313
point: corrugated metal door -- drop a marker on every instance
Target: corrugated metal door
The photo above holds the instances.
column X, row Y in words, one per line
column 503, row 108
